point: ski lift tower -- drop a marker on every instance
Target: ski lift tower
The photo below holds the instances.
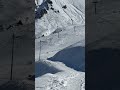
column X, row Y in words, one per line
column 11, row 72
column 19, row 23
column 95, row 6
column 40, row 50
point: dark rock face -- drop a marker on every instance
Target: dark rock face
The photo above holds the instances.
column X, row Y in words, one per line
column 42, row 9
column 40, row 13
column 49, row 1
column 64, row 7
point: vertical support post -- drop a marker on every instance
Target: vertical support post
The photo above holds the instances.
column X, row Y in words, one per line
column 58, row 35
column 74, row 28
column 12, row 58
column 40, row 51
column 95, row 6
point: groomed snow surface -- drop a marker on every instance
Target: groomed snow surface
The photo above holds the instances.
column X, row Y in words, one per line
column 59, row 46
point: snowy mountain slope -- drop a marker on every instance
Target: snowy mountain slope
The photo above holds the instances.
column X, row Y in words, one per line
column 64, row 79
column 58, row 17
column 52, row 44
column 59, row 29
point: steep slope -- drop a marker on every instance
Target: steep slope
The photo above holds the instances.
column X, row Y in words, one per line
column 58, row 14
column 60, row 33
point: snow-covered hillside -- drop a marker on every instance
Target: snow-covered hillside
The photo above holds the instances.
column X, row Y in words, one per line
column 60, row 45
column 59, row 14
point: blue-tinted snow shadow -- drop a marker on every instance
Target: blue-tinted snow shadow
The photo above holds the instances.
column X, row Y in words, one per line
column 72, row 57
column 43, row 68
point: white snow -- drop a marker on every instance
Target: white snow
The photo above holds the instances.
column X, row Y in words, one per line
column 59, row 47
column 64, row 79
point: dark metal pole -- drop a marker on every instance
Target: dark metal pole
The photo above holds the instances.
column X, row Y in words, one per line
column 74, row 28
column 58, row 35
column 40, row 50
column 11, row 73
column 95, row 6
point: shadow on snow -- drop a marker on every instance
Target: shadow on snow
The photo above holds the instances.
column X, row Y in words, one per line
column 42, row 68
column 73, row 57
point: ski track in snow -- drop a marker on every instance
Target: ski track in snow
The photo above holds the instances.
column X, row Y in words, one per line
column 55, row 75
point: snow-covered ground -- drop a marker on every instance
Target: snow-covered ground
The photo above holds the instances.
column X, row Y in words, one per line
column 60, row 45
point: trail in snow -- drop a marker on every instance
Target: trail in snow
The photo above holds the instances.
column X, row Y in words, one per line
column 62, row 71
column 66, row 79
